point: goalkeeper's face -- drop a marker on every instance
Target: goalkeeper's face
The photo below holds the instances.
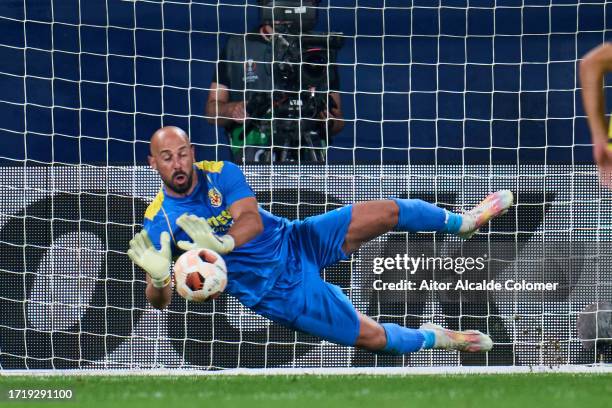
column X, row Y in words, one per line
column 179, row 176
column 172, row 156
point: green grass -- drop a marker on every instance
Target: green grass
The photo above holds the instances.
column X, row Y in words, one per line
column 439, row 391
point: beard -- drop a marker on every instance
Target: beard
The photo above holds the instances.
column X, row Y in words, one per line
column 180, row 187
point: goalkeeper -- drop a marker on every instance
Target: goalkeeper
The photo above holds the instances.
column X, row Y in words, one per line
column 273, row 263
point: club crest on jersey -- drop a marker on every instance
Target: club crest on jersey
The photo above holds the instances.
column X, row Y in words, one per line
column 250, row 74
column 215, row 197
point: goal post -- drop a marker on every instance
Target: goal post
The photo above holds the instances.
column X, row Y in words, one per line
column 444, row 101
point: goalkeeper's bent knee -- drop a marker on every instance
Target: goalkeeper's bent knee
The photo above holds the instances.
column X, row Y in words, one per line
column 402, row 340
column 417, row 215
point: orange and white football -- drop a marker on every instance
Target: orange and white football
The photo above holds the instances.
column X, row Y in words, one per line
column 200, row 274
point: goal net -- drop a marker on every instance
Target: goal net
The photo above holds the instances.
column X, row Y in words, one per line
column 444, row 101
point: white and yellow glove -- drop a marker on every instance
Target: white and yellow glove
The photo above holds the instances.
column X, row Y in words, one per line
column 202, row 235
column 155, row 263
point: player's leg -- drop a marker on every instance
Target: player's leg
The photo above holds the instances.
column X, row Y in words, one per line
column 390, row 338
column 328, row 313
column 373, row 218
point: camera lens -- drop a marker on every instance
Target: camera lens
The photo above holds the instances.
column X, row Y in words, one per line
column 314, row 66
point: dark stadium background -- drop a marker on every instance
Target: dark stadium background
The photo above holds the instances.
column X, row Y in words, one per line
column 93, row 121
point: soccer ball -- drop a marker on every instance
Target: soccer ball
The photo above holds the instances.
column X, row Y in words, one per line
column 200, row 274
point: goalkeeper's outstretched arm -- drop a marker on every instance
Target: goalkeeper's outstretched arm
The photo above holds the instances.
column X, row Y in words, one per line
column 247, row 221
column 247, row 225
column 159, row 298
column 157, row 266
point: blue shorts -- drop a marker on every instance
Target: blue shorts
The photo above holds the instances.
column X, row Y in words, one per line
column 300, row 299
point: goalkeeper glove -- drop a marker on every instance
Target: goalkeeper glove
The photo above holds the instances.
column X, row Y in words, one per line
column 155, row 263
column 202, row 235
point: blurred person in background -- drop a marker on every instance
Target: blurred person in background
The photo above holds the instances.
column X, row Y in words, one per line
column 594, row 65
column 286, row 110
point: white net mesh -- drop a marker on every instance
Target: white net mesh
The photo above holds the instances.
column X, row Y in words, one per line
column 444, row 101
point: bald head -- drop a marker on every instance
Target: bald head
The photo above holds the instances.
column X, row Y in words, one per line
column 173, row 158
column 166, row 137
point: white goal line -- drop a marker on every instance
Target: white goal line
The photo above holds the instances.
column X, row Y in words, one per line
column 394, row 371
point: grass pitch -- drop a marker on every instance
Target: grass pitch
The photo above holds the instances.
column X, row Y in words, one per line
column 494, row 391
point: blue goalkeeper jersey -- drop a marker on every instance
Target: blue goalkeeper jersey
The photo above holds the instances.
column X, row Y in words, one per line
column 252, row 267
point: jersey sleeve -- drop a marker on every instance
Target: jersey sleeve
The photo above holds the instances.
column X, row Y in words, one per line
column 233, row 184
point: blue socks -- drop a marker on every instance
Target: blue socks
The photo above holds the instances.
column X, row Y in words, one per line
column 418, row 215
column 415, row 216
column 402, row 340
